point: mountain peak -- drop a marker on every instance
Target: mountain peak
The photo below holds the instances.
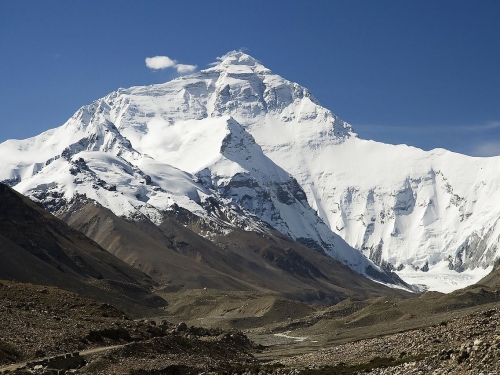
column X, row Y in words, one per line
column 237, row 62
column 237, row 122
column 237, row 58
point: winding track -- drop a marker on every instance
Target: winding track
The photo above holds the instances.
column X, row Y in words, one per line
column 83, row 353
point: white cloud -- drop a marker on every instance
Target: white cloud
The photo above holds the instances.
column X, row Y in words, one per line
column 488, row 126
column 428, row 129
column 185, row 68
column 164, row 62
column 161, row 136
column 159, row 62
column 491, row 148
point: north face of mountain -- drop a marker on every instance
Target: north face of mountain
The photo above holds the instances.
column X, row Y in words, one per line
column 243, row 148
column 211, row 168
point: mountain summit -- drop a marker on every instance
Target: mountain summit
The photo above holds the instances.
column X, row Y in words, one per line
column 239, row 147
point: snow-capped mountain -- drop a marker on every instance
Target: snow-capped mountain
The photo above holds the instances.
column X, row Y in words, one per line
column 210, row 166
column 264, row 152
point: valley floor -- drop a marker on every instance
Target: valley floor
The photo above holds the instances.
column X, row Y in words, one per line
column 262, row 334
column 465, row 345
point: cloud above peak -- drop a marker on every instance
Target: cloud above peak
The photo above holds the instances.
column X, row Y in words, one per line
column 486, row 148
column 159, row 62
column 164, row 62
column 185, row 68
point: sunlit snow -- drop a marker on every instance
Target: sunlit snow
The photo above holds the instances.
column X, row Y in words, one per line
column 442, row 279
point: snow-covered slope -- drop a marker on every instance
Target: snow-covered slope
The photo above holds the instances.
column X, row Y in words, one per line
column 210, row 167
column 263, row 148
column 234, row 166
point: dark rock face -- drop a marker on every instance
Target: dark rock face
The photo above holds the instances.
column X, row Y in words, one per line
column 39, row 248
column 405, row 200
column 50, row 200
column 291, row 261
column 290, row 192
column 310, row 243
column 376, row 254
column 12, row 181
column 474, row 252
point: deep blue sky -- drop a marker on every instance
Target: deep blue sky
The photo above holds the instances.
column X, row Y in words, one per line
column 425, row 73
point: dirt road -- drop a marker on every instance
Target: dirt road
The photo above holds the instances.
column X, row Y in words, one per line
column 83, row 353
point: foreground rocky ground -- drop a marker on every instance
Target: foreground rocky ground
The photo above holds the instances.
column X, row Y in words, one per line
column 466, row 345
column 39, row 322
